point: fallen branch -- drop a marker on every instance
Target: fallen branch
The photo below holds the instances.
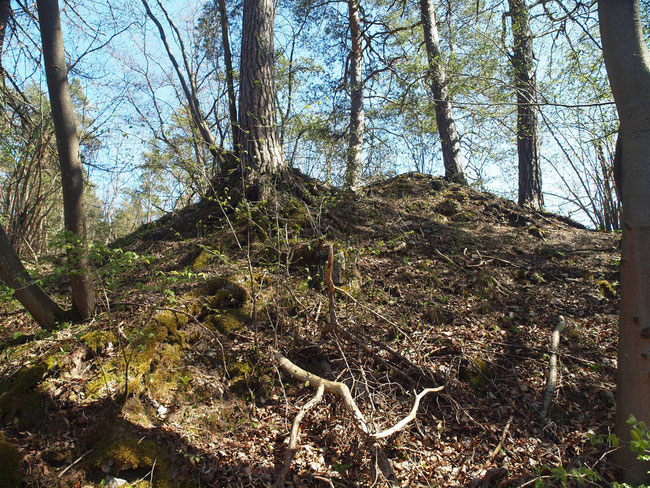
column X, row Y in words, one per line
column 500, row 444
column 551, row 382
column 342, row 390
column 293, row 437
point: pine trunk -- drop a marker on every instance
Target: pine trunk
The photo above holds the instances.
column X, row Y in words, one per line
column 530, row 175
column 355, row 143
column 261, row 154
column 67, row 141
column 438, row 77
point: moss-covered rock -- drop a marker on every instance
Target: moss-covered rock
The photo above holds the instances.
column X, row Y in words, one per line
column 115, row 444
column 606, row 289
column 10, row 476
column 477, row 373
column 21, row 399
column 171, row 320
column 98, row 340
column 202, row 261
column 225, row 322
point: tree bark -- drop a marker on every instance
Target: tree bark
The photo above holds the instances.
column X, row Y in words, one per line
column 444, row 116
column 230, row 82
column 67, row 142
column 628, row 69
column 39, row 305
column 261, row 154
column 530, row 175
column 357, row 115
column 5, row 10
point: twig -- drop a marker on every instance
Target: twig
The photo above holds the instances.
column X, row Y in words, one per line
column 293, row 438
column 75, row 462
column 551, row 383
column 500, row 444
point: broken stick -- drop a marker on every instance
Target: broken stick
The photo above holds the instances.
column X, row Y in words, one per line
column 551, row 382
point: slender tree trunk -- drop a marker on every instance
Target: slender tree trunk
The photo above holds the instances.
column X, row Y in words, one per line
column 188, row 85
column 39, row 305
column 261, row 153
column 628, row 69
column 444, row 117
column 530, row 176
column 67, row 142
column 357, row 115
column 230, row 82
column 5, row 10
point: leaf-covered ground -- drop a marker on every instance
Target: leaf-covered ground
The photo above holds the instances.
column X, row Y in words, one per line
column 174, row 382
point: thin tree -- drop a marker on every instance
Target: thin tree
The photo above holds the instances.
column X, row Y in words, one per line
column 230, row 82
column 449, row 139
column 260, row 152
column 39, row 305
column 628, row 68
column 355, row 142
column 522, row 59
column 67, row 141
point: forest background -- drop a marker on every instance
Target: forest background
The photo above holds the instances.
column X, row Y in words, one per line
column 142, row 151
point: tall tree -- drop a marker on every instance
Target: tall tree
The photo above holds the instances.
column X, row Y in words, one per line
column 628, row 68
column 522, row 59
column 438, row 78
column 39, row 305
column 67, row 141
column 260, row 151
column 355, row 143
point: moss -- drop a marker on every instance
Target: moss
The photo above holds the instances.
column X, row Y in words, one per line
column 129, row 451
column 20, row 399
column 606, row 289
column 137, row 413
column 225, row 322
column 98, row 340
column 251, row 376
column 478, row 373
column 9, row 464
column 163, row 379
column 171, row 320
column 202, row 261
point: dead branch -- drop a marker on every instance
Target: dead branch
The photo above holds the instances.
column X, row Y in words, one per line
column 551, row 382
column 342, row 390
column 293, row 437
column 500, row 444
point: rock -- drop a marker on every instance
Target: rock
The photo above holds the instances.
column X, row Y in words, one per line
column 592, row 299
column 112, row 482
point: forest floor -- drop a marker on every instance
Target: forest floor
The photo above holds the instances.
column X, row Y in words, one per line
column 174, row 381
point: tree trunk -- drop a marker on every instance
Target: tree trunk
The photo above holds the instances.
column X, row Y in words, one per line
column 530, row 176
column 39, row 305
column 67, row 142
column 227, row 58
column 628, row 69
column 261, row 154
column 355, row 143
column 5, row 9
column 438, row 77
